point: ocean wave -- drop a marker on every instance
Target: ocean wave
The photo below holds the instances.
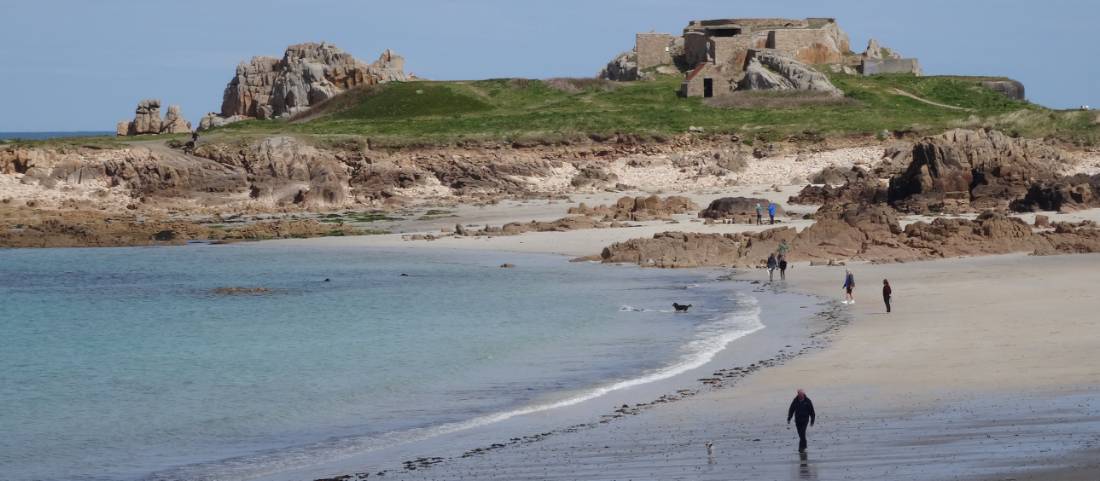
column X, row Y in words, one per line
column 711, row 338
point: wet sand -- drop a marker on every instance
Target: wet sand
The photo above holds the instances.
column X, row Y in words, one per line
column 987, row 369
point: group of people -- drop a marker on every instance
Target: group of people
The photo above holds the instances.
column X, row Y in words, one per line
column 760, row 213
column 850, row 286
column 778, row 260
column 802, row 409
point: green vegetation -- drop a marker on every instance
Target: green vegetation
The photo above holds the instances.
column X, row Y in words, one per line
column 357, row 217
column 555, row 111
column 563, row 110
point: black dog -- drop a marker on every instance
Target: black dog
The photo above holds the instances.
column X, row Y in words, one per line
column 681, row 307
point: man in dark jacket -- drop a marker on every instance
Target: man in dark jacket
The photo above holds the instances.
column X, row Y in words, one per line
column 802, row 410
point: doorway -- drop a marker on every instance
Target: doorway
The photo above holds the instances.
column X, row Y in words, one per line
column 708, row 87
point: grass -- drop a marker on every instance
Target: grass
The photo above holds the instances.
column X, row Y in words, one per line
column 359, row 217
column 564, row 110
column 557, row 111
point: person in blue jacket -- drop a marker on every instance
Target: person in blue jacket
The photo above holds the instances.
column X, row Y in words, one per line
column 849, row 286
column 771, row 211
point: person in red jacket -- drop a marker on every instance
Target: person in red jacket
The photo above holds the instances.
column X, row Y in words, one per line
column 886, row 293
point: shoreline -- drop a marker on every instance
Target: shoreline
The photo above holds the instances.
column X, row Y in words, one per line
column 890, row 393
column 791, row 331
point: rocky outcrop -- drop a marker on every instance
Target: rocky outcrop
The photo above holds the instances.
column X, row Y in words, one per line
column 770, row 70
column 174, row 123
column 307, row 74
column 147, row 120
column 876, row 51
column 622, row 68
column 842, row 186
column 860, row 232
column 1009, row 88
column 966, row 170
column 638, row 208
column 1067, row 194
column 92, row 228
column 738, row 209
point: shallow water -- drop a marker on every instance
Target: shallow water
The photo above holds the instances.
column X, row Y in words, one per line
column 124, row 364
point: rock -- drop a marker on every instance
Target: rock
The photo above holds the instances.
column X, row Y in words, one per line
column 770, row 70
column 146, row 118
column 240, row 291
column 213, row 120
column 859, row 186
column 307, row 74
column 1066, row 194
column 1042, row 221
column 595, row 177
column 743, row 208
column 1012, row 89
column 174, row 123
column 875, row 51
column 622, row 68
column 966, row 170
column 638, row 208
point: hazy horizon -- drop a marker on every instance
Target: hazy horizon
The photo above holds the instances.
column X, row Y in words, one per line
column 83, row 66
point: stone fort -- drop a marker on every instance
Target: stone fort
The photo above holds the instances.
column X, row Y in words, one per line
column 713, row 51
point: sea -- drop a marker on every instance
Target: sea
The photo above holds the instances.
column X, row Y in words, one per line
column 52, row 135
column 134, row 363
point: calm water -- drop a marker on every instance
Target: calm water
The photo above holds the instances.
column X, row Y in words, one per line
column 122, row 364
column 51, row 135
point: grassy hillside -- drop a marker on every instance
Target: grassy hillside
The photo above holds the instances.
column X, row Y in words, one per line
column 532, row 110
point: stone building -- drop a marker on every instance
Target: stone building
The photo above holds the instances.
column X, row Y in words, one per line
column 714, row 54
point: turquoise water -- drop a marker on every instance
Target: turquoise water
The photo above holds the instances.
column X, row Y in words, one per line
column 123, row 364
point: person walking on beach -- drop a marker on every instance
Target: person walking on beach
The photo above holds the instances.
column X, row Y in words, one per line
column 886, row 293
column 782, row 267
column 771, row 211
column 759, row 214
column 849, row 286
column 784, row 248
column 802, row 410
column 772, row 264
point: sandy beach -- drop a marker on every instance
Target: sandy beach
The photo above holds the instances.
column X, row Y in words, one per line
column 985, row 370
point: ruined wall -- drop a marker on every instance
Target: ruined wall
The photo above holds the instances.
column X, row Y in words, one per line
column 812, row 45
column 695, row 48
column 731, row 50
column 653, row 49
column 891, row 65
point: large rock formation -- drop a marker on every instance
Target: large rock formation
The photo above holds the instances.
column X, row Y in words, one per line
column 861, row 232
column 737, row 208
column 174, row 123
column 1070, row 193
column 307, row 74
column 966, row 170
column 638, row 208
column 147, row 120
column 622, row 68
column 771, row 70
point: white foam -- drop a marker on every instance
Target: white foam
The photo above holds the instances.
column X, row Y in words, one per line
column 716, row 336
column 712, row 338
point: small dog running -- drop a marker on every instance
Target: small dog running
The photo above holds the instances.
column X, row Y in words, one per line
column 681, row 307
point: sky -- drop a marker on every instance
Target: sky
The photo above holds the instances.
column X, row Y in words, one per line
column 84, row 64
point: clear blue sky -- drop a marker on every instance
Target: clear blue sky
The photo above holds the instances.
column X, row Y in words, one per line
column 83, row 64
